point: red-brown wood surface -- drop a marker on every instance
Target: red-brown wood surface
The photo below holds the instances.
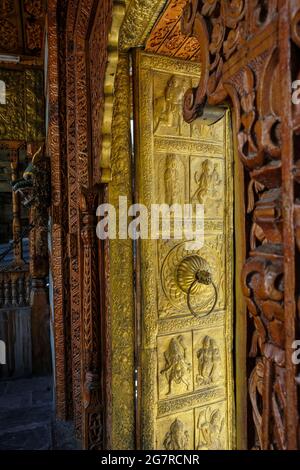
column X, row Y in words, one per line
column 77, row 63
column 246, row 55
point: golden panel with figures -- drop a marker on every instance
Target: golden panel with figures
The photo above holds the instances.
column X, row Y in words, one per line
column 186, row 313
column 209, row 352
column 169, row 90
column 171, row 168
column 204, row 428
column 175, row 366
column 176, row 432
column 207, row 185
column 211, row 431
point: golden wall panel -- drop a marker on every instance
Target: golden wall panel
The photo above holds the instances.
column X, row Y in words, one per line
column 186, row 362
column 203, row 428
column 22, row 116
column 176, row 432
column 211, row 427
column 175, row 365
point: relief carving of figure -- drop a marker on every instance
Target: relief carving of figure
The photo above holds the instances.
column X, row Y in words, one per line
column 171, row 176
column 177, row 438
column 208, row 358
column 203, row 181
column 176, row 368
column 168, row 108
column 210, row 426
column 209, row 187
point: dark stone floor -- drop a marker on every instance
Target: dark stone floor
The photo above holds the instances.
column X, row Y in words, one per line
column 27, row 417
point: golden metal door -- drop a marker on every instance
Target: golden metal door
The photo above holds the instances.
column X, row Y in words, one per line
column 185, row 398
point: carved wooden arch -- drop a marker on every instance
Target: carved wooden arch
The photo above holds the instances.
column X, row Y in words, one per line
column 249, row 55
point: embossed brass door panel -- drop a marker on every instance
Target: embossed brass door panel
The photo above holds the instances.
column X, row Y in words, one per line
column 185, row 363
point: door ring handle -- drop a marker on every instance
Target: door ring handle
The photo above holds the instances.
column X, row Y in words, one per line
column 191, row 271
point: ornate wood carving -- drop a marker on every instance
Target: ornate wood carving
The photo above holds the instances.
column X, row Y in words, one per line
column 246, row 52
column 91, row 330
column 58, row 218
column 166, row 37
column 67, row 63
column 79, row 47
column 22, row 26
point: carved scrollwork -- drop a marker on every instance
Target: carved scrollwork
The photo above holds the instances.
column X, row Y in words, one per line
column 263, row 288
column 241, row 59
column 92, row 402
column 295, row 28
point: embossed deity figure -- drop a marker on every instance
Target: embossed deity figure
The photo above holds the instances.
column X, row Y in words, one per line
column 171, row 181
column 203, row 181
column 177, row 438
column 210, row 426
column 176, row 368
column 168, row 108
column 208, row 358
column 215, row 180
column 214, row 195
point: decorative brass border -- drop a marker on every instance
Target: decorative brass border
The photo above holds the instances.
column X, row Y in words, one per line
column 140, row 17
column 121, row 272
column 116, row 163
column 131, row 23
column 118, row 13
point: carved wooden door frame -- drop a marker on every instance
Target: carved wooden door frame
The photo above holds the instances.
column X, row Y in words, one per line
column 249, row 55
column 250, row 47
column 77, row 31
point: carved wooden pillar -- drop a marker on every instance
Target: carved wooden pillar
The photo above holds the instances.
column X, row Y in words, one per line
column 60, row 303
column 248, row 54
column 292, row 128
column 77, row 63
column 92, row 400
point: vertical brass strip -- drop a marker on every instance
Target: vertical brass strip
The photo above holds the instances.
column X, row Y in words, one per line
column 229, row 267
column 121, row 271
column 241, row 389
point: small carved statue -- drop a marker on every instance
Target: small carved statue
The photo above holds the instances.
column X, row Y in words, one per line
column 176, row 367
column 208, row 357
column 210, row 426
column 34, row 191
column 177, row 438
column 34, row 186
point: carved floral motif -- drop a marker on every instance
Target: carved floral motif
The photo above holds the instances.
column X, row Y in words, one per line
column 254, row 78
